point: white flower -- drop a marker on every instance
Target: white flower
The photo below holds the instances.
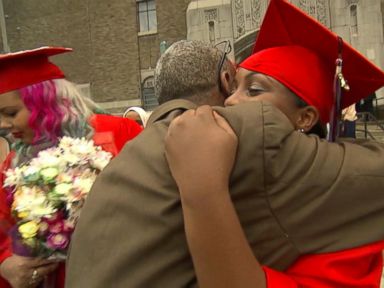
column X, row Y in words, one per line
column 65, row 177
column 31, row 173
column 83, row 148
column 101, row 159
column 84, row 184
column 48, row 159
column 48, row 174
column 30, row 170
column 71, row 159
column 13, row 177
column 66, row 142
column 42, row 211
column 63, row 188
column 33, row 201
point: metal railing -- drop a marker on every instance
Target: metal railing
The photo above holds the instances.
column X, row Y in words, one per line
column 367, row 118
column 376, row 100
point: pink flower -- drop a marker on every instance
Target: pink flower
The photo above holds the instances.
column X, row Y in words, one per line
column 57, row 217
column 68, row 227
column 58, row 241
column 56, row 227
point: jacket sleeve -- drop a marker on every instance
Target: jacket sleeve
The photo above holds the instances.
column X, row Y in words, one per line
column 358, row 267
column 320, row 197
column 326, row 196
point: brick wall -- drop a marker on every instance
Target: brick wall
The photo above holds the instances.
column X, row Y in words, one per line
column 171, row 27
column 102, row 33
column 171, row 18
column 109, row 54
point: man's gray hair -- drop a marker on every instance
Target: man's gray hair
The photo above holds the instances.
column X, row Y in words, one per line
column 185, row 69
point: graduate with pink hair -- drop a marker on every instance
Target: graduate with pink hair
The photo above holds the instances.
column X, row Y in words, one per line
column 38, row 106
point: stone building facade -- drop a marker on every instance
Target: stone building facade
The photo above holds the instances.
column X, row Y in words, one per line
column 116, row 42
column 359, row 22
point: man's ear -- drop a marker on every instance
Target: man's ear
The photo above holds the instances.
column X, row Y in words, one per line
column 227, row 78
column 307, row 118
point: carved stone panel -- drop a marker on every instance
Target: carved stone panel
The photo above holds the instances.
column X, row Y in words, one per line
column 303, row 5
column 256, row 9
column 312, row 8
column 322, row 8
column 210, row 15
column 318, row 9
column 349, row 2
column 239, row 18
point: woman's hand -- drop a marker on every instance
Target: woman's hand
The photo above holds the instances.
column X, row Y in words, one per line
column 20, row 271
column 200, row 149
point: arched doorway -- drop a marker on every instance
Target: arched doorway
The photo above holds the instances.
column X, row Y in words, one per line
column 148, row 93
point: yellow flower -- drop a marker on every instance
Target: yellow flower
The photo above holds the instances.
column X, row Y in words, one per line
column 29, row 229
column 22, row 214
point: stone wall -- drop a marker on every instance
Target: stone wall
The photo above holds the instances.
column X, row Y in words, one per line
column 368, row 38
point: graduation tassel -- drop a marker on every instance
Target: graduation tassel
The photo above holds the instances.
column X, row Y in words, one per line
column 340, row 84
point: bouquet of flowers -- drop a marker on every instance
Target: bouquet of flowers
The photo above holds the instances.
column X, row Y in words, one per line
column 47, row 193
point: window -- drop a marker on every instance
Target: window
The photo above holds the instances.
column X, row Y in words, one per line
column 212, row 37
column 353, row 19
column 146, row 10
column 148, row 94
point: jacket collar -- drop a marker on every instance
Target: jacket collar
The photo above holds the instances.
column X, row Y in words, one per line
column 163, row 110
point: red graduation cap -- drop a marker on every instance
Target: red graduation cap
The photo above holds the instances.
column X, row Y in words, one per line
column 28, row 67
column 301, row 53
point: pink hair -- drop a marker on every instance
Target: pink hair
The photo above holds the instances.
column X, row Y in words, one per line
column 53, row 113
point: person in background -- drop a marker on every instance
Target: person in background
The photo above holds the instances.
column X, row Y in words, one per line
column 138, row 114
column 366, row 104
column 349, row 121
column 38, row 106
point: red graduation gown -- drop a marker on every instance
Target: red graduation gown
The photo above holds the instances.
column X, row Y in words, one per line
column 358, row 267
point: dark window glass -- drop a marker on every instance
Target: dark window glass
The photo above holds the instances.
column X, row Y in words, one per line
column 147, row 15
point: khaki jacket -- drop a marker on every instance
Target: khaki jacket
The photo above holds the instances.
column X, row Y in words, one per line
column 294, row 194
